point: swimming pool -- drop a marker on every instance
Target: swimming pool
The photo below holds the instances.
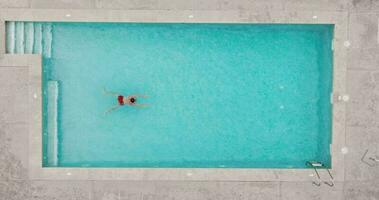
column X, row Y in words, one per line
column 221, row 95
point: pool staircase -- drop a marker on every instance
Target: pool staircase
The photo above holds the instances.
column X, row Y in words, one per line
column 36, row 38
column 318, row 165
column 28, row 38
column 52, row 122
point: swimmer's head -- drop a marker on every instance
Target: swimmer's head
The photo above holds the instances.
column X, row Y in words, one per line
column 133, row 100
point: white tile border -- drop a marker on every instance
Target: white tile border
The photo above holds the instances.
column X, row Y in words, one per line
column 36, row 172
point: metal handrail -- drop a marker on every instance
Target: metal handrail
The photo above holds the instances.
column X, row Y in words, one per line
column 373, row 159
column 315, row 165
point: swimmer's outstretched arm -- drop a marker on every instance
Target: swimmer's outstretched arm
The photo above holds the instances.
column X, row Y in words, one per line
column 112, row 109
column 139, row 96
column 110, row 93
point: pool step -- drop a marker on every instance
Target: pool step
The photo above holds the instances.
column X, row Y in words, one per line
column 52, row 122
column 10, row 37
column 37, row 45
column 46, row 40
column 19, row 38
column 29, row 38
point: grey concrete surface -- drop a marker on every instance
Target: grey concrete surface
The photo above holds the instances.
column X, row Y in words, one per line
column 67, row 4
column 361, row 190
column 359, row 139
column 363, row 58
column 363, row 5
column 13, row 87
column 321, row 5
column 304, row 190
column 363, row 88
column 363, row 30
column 185, row 190
column 362, row 131
column 14, row 4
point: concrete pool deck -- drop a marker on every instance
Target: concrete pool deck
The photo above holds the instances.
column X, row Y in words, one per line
column 358, row 43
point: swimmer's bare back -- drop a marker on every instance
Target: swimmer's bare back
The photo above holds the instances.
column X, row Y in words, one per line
column 130, row 100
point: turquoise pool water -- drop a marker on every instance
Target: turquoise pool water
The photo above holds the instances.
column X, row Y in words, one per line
column 221, row 95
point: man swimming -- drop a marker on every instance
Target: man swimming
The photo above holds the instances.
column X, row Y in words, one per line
column 130, row 100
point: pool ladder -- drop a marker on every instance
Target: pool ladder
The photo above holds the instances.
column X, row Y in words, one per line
column 370, row 160
column 318, row 165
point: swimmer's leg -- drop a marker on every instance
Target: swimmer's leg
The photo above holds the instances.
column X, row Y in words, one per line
column 106, row 92
column 112, row 109
column 140, row 105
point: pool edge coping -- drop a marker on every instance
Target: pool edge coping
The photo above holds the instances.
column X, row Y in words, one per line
column 34, row 62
